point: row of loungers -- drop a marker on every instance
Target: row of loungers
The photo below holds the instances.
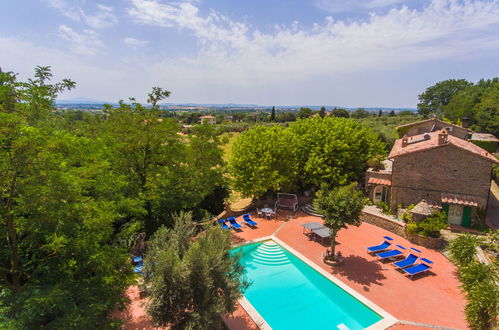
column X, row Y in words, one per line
column 231, row 223
column 409, row 266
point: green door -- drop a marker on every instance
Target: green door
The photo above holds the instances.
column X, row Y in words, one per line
column 466, row 217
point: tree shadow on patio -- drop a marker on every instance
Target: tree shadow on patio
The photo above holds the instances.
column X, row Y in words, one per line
column 360, row 270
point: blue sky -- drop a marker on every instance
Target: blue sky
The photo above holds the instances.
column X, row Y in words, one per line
column 282, row 52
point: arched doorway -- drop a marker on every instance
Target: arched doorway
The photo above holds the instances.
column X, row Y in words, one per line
column 380, row 194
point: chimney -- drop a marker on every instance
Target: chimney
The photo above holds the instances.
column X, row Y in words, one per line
column 405, row 141
column 443, row 137
column 465, row 122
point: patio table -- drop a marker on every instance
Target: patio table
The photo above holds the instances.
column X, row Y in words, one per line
column 311, row 226
column 322, row 233
column 268, row 211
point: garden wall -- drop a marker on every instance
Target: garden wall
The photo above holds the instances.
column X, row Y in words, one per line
column 398, row 228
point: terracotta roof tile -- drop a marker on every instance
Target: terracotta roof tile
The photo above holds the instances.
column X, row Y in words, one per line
column 380, row 181
column 432, row 142
column 459, row 200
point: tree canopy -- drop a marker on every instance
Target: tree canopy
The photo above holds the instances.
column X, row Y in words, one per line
column 458, row 99
column 191, row 283
column 76, row 189
column 307, row 153
column 57, row 205
column 433, row 100
column 340, row 207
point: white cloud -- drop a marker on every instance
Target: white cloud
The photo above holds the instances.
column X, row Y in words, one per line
column 338, row 6
column 102, row 18
column 444, row 29
column 85, row 43
column 134, row 43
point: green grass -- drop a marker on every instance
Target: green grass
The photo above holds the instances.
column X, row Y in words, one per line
column 228, row 141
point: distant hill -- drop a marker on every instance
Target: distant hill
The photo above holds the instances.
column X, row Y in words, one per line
column 80, row 100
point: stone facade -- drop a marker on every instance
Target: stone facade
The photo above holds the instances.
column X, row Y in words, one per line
column 433, row 125
column 376, row 174
column 429, row 173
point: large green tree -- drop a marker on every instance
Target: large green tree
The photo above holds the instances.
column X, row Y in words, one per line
column 331, row 150
column 165, row 172
column 340, row 207
column 191, row 283
column 57, row 207
column 262, row 160
column 433, row 100
column 307, row 153
column 479, row 103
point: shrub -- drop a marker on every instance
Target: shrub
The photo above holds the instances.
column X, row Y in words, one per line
column 482, row 305
column 384, row 207
column 476, row 272
column 406, row 216
column 462, row 249
column 430, row 227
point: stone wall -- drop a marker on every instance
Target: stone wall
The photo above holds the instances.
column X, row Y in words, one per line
column 427, row 174
column 379, row 220
column 398, row 228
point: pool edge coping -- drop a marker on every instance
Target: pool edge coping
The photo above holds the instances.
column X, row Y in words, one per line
column 387, row 319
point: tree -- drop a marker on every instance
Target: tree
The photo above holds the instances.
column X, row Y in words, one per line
column 340, row 207
column 392, row 113
column 262, row 160
column 433, row 100
column 272, row 114
column 479, row 103
column 380, row 113
column 360, row 113
column 340, row 113
column 307, row 153
column 305, row 113
column 322, row 112
column 331, row 150
column 58, row 204
column 191, row 283
column 165, row 172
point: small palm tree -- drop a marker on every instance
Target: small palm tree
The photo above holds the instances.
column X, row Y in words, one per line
column 340, row 207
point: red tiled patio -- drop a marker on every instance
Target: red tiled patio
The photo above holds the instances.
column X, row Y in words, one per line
column 433, row 299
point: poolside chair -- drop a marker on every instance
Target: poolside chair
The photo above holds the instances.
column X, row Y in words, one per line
column 233, row 223
column 138, row 269
column 382, row 247
column 410, row 260
column 137, row 260
column 391, row 254
column 223, row 224
column 248, row 221
column 259, row 213
column 424, row 266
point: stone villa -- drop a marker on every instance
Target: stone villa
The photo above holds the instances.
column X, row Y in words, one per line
column 437, row 167
column 208, row 120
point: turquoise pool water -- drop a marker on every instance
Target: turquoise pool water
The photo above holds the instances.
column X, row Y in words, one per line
column 289, row 294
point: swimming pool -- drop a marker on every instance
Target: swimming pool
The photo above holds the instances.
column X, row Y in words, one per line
column 289, row 294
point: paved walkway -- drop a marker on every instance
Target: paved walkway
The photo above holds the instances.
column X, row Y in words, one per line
column 433, row 300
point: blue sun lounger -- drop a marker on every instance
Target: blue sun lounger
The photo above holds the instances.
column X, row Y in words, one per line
column 382, row 247
column 424, row 266
column 392, row 253
column 233, row 223
column 410, row 260
column 137, row 259
column 223, row 224
column 248, row 221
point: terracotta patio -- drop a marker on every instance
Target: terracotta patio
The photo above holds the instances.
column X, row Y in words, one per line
column 431, row 300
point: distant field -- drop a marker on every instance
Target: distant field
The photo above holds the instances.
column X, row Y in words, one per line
column 227, row 147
